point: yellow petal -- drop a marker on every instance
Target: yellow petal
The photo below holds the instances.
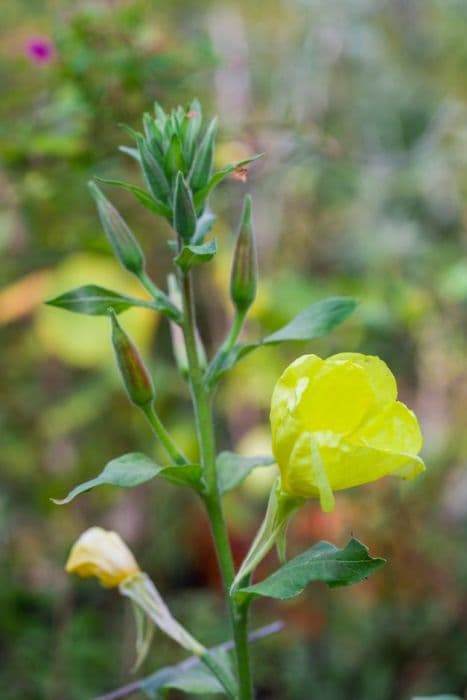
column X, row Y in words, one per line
column 395, row 429
column 287, row 392
column 103, row 554
column 380, row 377
column 337, row 398
column 345, row 466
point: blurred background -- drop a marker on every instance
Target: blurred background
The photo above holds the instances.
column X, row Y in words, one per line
column 361, row 108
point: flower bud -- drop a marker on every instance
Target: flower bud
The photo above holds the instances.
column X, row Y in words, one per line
column 244, row 268
column 184, row 210
column 136, row 378
column 125, row 246
column 103, row 554
column 202, row 164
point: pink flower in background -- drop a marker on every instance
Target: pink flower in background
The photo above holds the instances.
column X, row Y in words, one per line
column 40, row 49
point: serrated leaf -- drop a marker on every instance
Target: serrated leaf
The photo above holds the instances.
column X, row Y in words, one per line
column 195, row 255
column 232, row 468
column 131, row 470
column 322, row 562
column 146, row 199
column 95, row 301
column 314, row 322
column 201, row 196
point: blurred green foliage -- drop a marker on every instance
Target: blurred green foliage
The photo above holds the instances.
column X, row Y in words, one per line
column 361, row 108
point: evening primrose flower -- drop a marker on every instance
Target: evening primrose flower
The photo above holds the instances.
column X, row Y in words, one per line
column 103, row 554
column 336, row 423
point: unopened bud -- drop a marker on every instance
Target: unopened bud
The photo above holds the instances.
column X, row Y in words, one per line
column 244, row 268
column 184, row 210
column 125, row 246
column 136, row 378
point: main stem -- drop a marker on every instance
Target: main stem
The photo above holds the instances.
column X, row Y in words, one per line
column 205, row 430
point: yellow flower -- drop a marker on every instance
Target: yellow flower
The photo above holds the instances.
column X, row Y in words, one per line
column 103, row 554
column 336, row 423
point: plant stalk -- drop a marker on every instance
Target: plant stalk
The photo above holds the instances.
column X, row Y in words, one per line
column 205, row 429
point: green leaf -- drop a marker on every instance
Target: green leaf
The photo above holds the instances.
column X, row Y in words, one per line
column 201, row 196
column 315, row 321
column 184, row 475
column 146, row 199
column 153, row 174
column 322, row 562
column 188, row 676
column 202, row 163
column 232, row 468
column 95, row 301
column 191, row 126
column 132, row 470
column 203, row 226
column 195, row 255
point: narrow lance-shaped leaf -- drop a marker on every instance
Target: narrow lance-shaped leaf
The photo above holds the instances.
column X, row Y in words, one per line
column 143, row 197
column 322, row 562
column 314, row 322
column 232, row 468
column 202, row 164
column 126, row 471
column 153, row 174
column 217, row 177
column 134, row 469
column 184, row 212
column 135, row 376
column 244, row 274
column 124, row 244
column 95, row 301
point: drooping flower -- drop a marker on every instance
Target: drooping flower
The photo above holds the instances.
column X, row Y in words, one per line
column 336, row 423
column 39, row 49
column 103, row 554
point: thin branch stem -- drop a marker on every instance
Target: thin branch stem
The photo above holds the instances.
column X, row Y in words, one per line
column 156, row 424
column 134, row 687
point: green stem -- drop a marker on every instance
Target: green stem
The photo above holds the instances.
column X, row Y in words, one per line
column 229, row 342
column 176, row 455
column 205, row 430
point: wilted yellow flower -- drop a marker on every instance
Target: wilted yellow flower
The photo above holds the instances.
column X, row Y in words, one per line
column 336, row 423
column 103, row 554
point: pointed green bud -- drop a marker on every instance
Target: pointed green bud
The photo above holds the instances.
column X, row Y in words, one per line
column 190, row 129
column 174, row 160
column 202, row 164
column 244, row 268
column 125, row 246
column 135, row 376
column 153, row 174
column 184, row 210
